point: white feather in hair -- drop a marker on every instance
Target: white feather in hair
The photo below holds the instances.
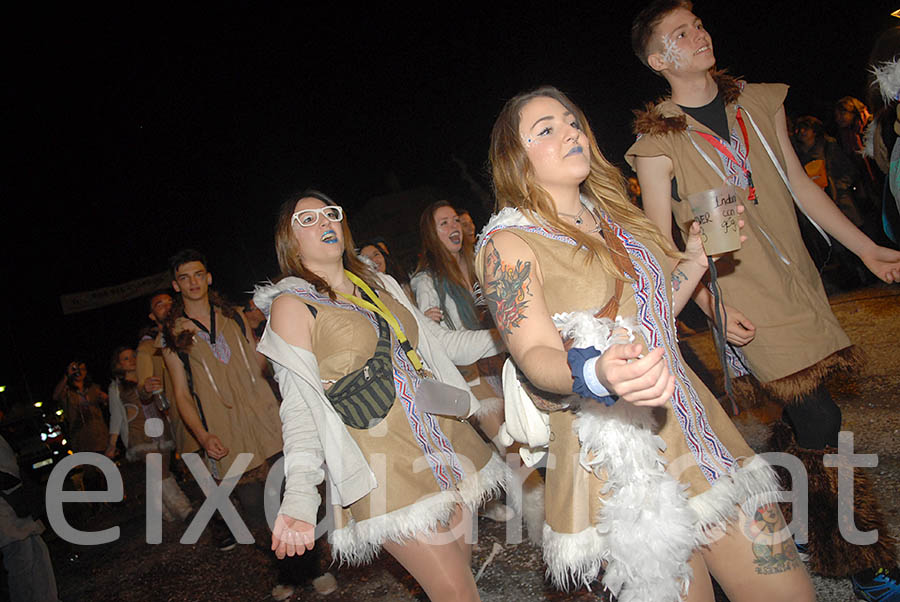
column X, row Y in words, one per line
column 887, row 76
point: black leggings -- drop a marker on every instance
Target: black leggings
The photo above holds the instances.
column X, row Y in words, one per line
column 815, row 418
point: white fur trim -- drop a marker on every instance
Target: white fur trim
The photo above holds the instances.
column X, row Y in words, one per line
column 751, row 486
column 265, row 293
column 488, row 406
column 508, row 216
column 533, row 507
column 136, row 452
column 359, row 542
column 573, row 559
column 868, row 149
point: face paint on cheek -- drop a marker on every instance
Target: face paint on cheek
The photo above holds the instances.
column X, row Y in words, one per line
column 529, row 142
column 673, row 55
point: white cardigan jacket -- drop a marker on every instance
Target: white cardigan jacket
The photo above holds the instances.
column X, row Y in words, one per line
column 315, row 439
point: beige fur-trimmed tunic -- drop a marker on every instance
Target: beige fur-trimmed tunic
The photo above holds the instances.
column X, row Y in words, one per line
column 408, row 500
column 771, row 278
column 708, row 466
column 342, row 342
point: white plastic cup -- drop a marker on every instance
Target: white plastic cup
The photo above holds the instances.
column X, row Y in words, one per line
column 716, row 211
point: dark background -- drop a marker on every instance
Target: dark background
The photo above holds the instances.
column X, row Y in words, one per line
column 134, row 132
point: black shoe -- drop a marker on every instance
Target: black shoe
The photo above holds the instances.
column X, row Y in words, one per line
column 227, row 543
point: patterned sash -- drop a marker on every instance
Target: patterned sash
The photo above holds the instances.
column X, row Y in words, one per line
column 435, row 446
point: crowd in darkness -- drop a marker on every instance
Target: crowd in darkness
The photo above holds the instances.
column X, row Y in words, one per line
column 287, row 373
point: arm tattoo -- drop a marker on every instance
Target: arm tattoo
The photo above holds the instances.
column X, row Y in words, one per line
column 773, row 548
column 506, row 288
column 677, row 278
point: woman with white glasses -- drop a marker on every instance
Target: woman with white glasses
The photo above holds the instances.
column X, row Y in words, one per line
column 367, row 382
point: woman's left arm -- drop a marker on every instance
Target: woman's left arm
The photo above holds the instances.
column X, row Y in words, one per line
column 687, row 273
column 883, row 262
column 461, row 346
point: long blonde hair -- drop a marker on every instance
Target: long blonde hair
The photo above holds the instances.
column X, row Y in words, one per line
column 288, row 250
column 515, row 184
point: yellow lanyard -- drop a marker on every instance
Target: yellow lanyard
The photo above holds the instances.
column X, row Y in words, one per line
column 381, row 309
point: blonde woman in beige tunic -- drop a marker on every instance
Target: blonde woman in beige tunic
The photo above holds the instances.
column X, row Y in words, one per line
column 410, row 482
column 649, row 485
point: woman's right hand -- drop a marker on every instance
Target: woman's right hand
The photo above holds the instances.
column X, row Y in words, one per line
column 292, row 536
column 642, row 381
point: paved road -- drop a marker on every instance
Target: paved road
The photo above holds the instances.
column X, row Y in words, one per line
column 131, row 570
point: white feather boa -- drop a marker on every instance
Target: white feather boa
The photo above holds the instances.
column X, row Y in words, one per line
column 647, row 528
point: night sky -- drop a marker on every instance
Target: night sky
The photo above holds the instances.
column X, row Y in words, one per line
column 133, row 133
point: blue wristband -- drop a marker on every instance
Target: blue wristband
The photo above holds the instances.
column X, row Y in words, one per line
column 582, row 363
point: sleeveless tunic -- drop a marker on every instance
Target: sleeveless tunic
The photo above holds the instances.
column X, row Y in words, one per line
column 237, row 402
column 771, row 278
column 415, row 492
column 702, row 451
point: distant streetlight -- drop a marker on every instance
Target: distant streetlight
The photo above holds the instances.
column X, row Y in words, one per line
column 38, row 404
column 2, row 388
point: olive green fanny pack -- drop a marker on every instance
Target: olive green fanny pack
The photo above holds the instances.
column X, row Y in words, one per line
column 365, row 396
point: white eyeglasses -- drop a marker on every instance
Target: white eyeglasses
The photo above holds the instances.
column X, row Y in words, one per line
column 310, row 217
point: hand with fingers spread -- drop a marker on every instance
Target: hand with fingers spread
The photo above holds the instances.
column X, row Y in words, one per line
column 643, row 381
column 291, row 536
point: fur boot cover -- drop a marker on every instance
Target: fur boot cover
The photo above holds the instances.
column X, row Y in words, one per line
column 647, row 528
column 830, row 554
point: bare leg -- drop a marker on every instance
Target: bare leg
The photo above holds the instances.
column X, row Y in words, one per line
column 755, row 560
column 461, row 522
column 440, row 566
column 701, row 589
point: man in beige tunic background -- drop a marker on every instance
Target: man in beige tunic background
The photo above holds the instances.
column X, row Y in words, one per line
column 780, row 327
column 218, row 384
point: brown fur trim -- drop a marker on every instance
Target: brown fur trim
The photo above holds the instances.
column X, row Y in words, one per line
column 730, row 87
column 793, row 387
column 748, row 393
column 830, row 554
column 652, row 122
column 781, row 437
